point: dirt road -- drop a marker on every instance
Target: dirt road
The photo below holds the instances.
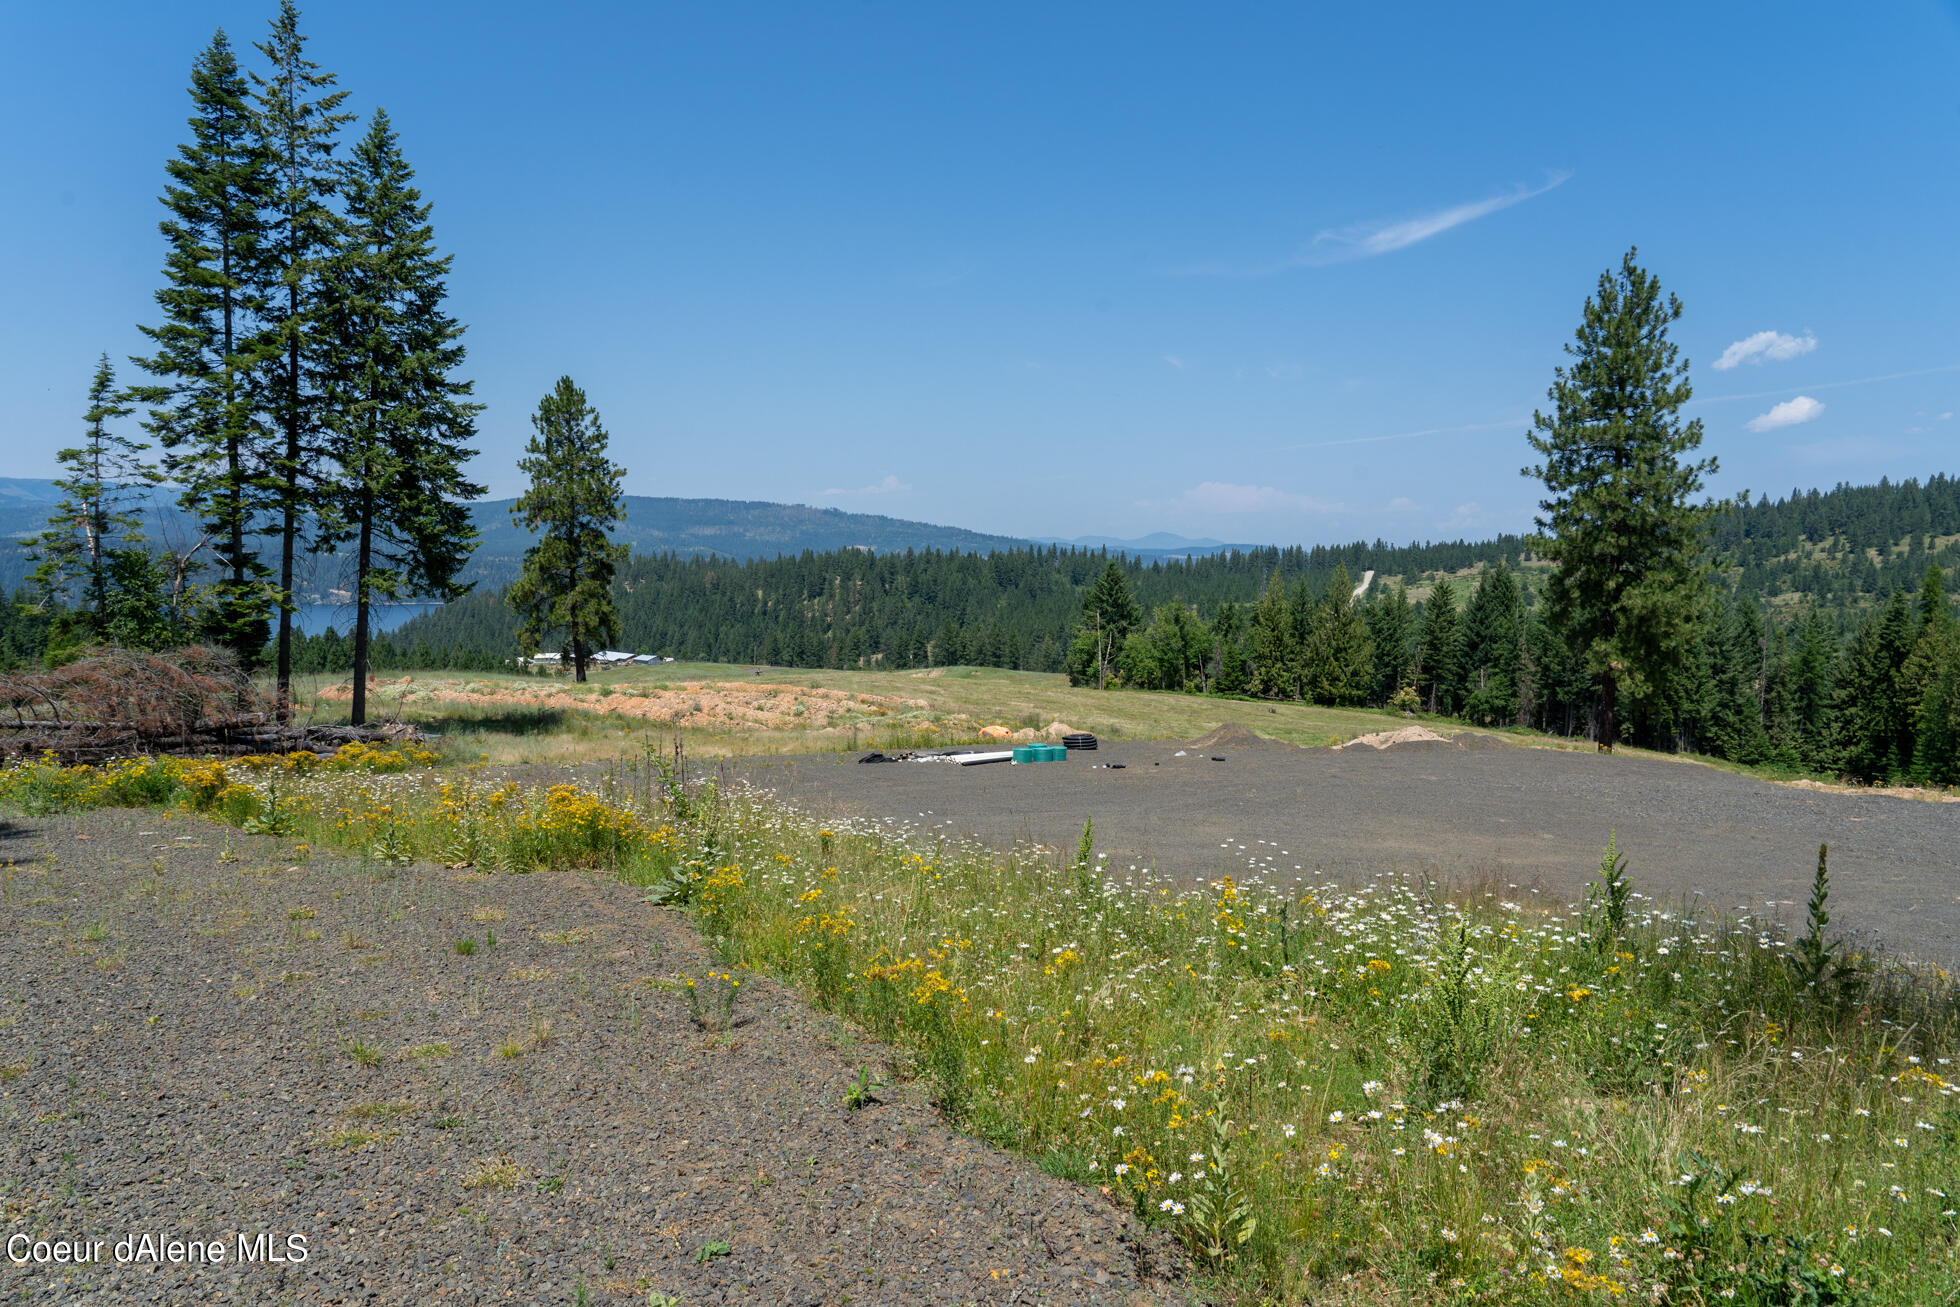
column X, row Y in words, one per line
column 1516, row 816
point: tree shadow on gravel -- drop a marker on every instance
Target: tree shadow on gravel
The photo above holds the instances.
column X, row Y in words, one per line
column 12, row 835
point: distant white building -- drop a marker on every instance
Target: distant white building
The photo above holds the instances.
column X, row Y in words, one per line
column 602, row 658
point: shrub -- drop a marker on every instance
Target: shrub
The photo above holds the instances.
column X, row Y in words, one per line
column 1455, row 1032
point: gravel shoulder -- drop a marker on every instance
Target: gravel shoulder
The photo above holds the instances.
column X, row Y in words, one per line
column 1475, row 812
column 185, row 1014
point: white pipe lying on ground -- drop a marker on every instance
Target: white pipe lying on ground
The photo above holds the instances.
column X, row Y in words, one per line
column 973, row 759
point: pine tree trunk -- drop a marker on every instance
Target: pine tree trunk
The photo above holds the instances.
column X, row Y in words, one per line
column 1608, row 724
column 578, row 659
column 289, row 518
column 233, row 454
column 358, row 716
column 283, row 676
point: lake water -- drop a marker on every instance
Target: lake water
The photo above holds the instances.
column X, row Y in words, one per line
column 314, row 619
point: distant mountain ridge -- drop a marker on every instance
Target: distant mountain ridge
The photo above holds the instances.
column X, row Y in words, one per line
column 727, row 528
column 737, row 529
column 1844, row 543
column 1158, row 544
column 27, row 490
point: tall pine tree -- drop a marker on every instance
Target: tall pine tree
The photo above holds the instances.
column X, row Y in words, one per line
column 1109, row 614
column 1933, row 674
column 1738, row 654
column 566, row 585
column 94, row 519
column 1228, row 658
column 401, row 421
column 1439, row 649
column 1272, row 653
column 1340, row 655
column 1628, row 585
column 1391, row 629
column 201, row 407
column 298, row 119
column 1872, row 709
column 1493, row 648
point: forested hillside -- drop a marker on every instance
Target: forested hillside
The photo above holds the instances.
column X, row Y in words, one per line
column 1010, row 608
column 1824, row 648
column 1827, row 552
column 1840, row 547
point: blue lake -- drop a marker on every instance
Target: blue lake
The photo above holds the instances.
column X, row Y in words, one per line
column 314, row 619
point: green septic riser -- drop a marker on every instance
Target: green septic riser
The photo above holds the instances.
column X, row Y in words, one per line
column 1039, row 753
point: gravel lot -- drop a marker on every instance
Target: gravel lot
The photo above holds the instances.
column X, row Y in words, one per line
column 1489, row 813
column 186, row 1015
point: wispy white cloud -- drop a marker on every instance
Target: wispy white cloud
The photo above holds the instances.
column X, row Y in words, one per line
column 1364, row 240
column 1403, row 504
column 891, row 485
column 1174, row 361
column 1789, row 413
column 1225, row 497
column 1765, row 347
column 1367, row 239
column 1830, row 385
column 1517, row 423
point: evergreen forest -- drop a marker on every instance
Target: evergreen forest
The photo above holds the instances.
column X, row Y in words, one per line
column 1829, row 616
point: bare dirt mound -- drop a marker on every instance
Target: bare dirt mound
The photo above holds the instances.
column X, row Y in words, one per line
column 1234, row 735
column 1389, row 739
column 733, row 704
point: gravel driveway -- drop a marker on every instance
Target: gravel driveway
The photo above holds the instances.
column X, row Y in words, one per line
column 1496, row 814
column 201, row 1039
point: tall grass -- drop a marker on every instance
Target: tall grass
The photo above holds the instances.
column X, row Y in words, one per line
column 1329, row 1093
column 1398, row 1094
column 388, row 804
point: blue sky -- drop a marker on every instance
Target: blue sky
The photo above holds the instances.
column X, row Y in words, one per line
column 1253, row 273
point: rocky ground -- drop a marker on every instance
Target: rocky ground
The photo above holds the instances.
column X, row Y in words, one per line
column 203, row 1036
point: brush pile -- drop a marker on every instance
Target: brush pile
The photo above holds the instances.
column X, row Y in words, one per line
column 118, row 703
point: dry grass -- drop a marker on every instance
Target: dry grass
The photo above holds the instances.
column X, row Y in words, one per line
column 508, row 719
column 494, row 1173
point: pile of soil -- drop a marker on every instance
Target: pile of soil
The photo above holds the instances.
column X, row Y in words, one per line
column 1389, row 739
column 1233, row 735
column 1055, row 731
column 206, row 1037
